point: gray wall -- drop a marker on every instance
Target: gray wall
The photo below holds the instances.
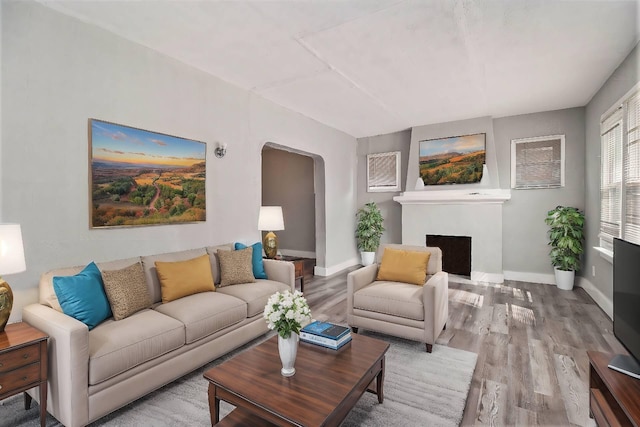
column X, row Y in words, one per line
column 524, row 232
column 287, row 181
column 618, row 84
column 391, row 211
column 57, row 72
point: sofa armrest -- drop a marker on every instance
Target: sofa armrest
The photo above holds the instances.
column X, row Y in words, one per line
column 357, row 280
column 435, row 298
column 68, row 366
column 281, row 271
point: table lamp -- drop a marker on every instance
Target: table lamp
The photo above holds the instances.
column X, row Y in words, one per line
column 270, row 220
column 11, row 261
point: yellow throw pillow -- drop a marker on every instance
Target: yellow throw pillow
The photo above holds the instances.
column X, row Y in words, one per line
column 404, row 266
column 184, row 278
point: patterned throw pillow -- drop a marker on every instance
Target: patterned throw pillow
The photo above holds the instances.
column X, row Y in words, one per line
column 236, row 267
column 126, row 290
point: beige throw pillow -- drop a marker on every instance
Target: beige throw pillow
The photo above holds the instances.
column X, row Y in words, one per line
column 126, row 290
column 236, row 267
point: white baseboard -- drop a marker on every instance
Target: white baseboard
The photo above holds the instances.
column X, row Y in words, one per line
column 523, row 276
column 605, row 303
column 328, row 271
column 302, row 254
column 481, row 276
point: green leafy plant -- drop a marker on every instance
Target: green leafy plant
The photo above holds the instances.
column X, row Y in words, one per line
column 565, row 237
column 369, row 228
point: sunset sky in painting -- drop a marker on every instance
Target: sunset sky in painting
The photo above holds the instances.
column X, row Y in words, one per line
column 116, row 143
column 460, row 144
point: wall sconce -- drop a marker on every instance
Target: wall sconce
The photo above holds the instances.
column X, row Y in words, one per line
column 220, row 150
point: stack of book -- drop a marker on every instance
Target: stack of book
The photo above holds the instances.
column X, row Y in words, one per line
column 325, row 334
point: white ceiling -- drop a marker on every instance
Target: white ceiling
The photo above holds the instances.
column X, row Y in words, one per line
column 370, row 67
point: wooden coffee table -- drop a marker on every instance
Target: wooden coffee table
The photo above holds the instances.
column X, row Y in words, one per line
column 326, row 385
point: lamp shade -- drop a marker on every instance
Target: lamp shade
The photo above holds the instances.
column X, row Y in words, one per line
column 270, row 218
column 11, row 249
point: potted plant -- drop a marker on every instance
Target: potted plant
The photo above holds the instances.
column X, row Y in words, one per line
column 368, row 231
column 566, row 240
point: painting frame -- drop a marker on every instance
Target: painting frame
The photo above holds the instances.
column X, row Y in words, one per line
column 140, row 178
column 452, row 160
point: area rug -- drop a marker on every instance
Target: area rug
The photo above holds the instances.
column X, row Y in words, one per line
column 420, row 389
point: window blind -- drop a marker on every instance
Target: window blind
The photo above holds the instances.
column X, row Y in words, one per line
column 632, row 172
column 538, row 162
column 383, row 172
column 611, row 178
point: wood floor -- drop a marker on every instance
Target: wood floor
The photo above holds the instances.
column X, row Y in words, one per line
column 531, row 340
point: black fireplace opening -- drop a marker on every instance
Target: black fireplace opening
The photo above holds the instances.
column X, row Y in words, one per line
column 456, row 252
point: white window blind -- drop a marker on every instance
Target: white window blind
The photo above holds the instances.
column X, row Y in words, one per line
column 632, row 172
column 537, row 162
column 611, row 179
column 383, row 172
column 620, row 172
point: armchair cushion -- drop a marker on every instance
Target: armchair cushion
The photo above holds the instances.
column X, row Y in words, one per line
column 396, row 299
column 404, row 266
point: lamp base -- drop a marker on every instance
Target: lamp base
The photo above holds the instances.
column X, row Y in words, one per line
column 6, row 303
column 270, row 245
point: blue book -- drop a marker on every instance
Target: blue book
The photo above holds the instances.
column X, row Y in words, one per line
column 335, row 345
column 326, row 329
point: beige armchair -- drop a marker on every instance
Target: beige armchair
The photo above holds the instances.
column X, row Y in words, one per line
column 404, row 310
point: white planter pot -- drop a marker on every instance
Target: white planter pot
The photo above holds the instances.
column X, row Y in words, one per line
column 288, row 349
column 367, row 258
column 564, row 279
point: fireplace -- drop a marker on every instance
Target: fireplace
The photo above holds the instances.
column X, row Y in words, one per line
column 477, row 215
column 456, row 252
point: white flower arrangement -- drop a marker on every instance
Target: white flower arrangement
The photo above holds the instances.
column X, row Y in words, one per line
column 286, row 312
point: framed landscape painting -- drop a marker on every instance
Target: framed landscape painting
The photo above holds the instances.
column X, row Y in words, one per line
column 453, row 160
column 138, row 177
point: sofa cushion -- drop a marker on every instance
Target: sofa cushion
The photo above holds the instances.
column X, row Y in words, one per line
column 404, row 266
column 394, row 298
column 183, row 278
column 150, row 273
column 236, row 267
column 215, row 262
column 255, row 294
column 205, row 313
column 115, row 347
column 256, row 259
column 126, row 290
column 82, row 296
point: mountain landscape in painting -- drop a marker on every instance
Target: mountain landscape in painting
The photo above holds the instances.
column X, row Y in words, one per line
column 456, row 160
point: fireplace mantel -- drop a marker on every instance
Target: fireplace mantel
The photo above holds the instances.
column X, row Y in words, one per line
column 458, row 197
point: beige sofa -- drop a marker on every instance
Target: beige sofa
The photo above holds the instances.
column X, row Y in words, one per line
column 93, row 373
column 404, row 310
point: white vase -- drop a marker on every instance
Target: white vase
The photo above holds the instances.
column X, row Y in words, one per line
column 367, row 258
column 288, row 348
column 564, row 279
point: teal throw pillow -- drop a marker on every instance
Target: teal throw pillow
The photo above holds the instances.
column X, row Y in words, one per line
column 82, row 296
column 256, row 259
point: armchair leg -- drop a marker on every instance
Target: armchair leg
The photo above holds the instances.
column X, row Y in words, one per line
column 354, row 329
column 429, row 348
column 445, row 327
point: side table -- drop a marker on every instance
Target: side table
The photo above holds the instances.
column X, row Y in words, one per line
column 23, row 364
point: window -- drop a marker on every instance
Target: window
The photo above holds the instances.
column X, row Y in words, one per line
column 383, row 172
column 537, row 162
column 620, row 173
